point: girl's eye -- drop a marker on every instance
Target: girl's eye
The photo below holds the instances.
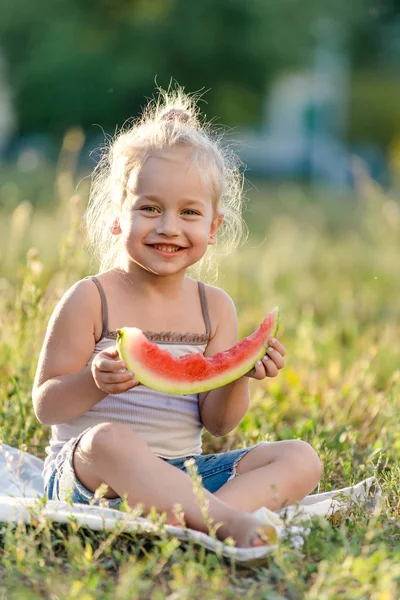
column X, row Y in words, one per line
column 190, row 212
column 149, row 208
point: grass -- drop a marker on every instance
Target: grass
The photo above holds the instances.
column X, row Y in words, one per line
column 331, row 263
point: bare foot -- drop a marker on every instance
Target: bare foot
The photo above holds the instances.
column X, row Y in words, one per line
column 265, row 536
column 173, row 519
column 248, row 532
column 245, row 530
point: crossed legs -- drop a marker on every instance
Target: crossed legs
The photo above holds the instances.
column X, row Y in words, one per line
column 274, row 475
column 112, row 453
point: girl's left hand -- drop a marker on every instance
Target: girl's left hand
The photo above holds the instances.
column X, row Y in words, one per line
column 271, row 363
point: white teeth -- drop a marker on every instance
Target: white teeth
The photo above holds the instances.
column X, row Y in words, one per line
column 167, row 248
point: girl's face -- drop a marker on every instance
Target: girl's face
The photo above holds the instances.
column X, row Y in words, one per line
column 168, row 218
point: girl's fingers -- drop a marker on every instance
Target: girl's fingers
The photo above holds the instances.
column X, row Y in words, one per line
column 119, row 377
column 276, row 357
column 270, row 367
column 265, row 367
column 274, row 343
column 259, row 371
column 111, row 351
column 113, row 366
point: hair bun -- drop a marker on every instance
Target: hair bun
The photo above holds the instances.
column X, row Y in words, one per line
column 175, row 113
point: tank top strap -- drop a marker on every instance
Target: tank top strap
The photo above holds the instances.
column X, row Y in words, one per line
column 204, row 308
column 104, row 306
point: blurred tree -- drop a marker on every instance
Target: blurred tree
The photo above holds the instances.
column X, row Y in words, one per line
column 374, row 108
column 79, row 62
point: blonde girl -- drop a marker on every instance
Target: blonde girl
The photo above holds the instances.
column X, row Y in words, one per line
column 161, row 196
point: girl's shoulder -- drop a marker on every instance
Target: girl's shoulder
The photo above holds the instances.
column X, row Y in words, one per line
column 86, row 288
column 82, row 291
column 216, row 294
column 220, row 303
column 80, row 303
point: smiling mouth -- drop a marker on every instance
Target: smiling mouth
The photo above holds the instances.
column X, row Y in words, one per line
column 166, row 248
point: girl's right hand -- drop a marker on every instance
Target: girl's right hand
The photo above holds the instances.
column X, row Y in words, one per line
column 110, row 373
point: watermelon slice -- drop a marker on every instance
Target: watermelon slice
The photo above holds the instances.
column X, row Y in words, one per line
column 193, row 373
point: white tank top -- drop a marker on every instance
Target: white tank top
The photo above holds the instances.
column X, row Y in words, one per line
column 169, row 424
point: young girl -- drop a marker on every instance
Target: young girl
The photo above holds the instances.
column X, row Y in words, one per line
column 159, row 199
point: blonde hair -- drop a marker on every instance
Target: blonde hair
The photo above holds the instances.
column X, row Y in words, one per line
column 172, row 119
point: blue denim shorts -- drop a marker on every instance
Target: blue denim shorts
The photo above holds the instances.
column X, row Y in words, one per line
column 215, row 470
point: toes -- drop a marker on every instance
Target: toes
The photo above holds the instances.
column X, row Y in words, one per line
column 257, row 541
column 265, row 536
column 174, row 519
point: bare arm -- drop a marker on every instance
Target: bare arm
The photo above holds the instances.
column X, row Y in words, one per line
column 223, row 408
column 65, row 387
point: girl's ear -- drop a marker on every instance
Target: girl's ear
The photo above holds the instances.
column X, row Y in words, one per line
column 116, row 227
column 215, row 225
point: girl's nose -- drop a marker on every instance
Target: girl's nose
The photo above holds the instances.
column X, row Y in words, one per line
column 167, row 225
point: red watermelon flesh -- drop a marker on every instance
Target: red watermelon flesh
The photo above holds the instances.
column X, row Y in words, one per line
column 193, row 373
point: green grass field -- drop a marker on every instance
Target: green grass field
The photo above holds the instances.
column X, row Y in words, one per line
column 331, row 262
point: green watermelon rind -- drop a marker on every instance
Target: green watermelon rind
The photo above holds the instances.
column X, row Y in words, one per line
column 127, row 335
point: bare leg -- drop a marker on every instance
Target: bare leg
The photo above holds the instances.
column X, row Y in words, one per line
column 274, row 475
column 112, row 453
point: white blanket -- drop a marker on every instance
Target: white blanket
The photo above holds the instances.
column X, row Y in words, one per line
column 21, row 486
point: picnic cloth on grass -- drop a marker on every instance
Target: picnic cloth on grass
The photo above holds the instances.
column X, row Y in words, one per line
column 22, row 486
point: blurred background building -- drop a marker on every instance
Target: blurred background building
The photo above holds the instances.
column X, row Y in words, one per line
column 304, row 86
